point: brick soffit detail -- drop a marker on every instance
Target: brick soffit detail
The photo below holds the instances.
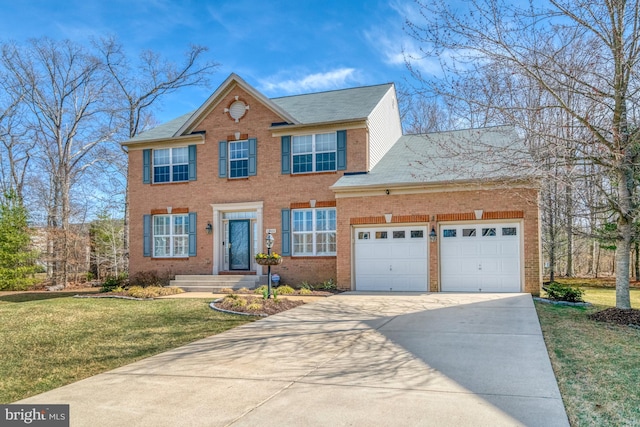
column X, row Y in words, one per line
column 307, row 205
column 465, row 216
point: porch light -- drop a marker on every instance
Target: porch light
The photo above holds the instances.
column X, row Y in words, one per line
column 209, row 228
column 432, row 235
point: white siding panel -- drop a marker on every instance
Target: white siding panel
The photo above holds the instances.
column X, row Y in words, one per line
column 384, row 127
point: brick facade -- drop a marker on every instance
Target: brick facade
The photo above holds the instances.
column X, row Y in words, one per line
column 270, row 186
column 431, row 208
column 270, row 191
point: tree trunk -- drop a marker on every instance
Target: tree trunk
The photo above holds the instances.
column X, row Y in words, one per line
column 625, row 229
column 569, row 229
column 596, row 267
column 636, row 249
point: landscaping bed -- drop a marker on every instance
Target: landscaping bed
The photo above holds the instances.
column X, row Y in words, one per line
column 282, row 290
column 255, row 305
column 617, row 316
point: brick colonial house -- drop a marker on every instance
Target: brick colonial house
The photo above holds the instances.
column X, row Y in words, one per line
column 349, row 197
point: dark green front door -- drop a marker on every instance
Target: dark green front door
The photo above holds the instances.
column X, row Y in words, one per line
column 239, row 244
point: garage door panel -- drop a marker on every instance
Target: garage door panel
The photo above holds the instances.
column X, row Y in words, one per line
column 397, row 263
column 469, row 249
column 490, row 249
column 509, row 267
column 480, row 258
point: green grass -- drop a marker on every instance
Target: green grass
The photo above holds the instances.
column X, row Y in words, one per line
column 607, row 296
column 597, row 364
column 51, row 339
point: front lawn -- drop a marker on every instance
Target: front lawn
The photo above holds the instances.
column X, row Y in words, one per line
column 52, row 339
column 596, row 364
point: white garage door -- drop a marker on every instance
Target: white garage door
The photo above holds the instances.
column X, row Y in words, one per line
column 391, row 258
column 480, row 258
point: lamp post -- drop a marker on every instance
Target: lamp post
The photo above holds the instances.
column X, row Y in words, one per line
column 269, row 243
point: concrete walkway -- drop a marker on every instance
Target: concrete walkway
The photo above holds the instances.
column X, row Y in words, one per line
column 352, row 359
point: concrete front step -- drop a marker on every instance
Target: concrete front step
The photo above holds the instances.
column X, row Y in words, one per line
column 210, row 283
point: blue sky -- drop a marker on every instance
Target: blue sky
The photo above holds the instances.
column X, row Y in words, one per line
column 281, row 47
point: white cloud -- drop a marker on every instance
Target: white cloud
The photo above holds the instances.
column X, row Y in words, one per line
column 334, row 79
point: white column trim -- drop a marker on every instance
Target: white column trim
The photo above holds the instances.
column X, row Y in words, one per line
column 218, row 229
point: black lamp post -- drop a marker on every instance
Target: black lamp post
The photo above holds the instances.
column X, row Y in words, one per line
column 269, row 244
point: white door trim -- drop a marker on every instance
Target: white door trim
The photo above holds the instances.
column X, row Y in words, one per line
column 218, row 229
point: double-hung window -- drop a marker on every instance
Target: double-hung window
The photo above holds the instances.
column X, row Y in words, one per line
column 314, row 232
column 238, row 159
column 171, row 165
column 314, row 153
column 170, row 236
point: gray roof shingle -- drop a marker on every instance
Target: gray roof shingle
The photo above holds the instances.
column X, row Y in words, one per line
column 446, row 157
column 343, row 104
column 165, row 130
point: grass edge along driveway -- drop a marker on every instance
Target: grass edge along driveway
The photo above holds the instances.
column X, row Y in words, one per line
column 596, row 364
column 49, row 340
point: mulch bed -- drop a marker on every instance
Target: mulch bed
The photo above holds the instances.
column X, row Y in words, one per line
column 617, row 316
column 269, row 306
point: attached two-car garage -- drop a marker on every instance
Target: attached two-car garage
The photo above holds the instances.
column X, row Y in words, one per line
column 480, row 257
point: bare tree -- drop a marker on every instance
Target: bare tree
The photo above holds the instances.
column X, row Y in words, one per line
column 16, row 145
column 65, row 88
column 586, row 48
column 139, row 86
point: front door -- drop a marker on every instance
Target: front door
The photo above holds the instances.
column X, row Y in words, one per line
column 239, row 244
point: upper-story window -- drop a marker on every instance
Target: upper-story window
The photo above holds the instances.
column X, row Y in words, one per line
column 171, row 165
column 314, row 153
column 238, row 159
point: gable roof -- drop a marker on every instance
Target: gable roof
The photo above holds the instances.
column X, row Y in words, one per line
column 343, row 104
column 447, row 157
column 313, row 108
column 165, row 130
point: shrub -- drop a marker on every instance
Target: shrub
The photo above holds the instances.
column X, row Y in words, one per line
column 306, row 285
column 112, row 282
column 254, row 306
column 151, row 278
column 285, row 290
column 231, row 297
column 226, row 290
column 305, row 291
column 260, row 290
column 559, row 292
column 328, row 285
column 240, row 302
column 151, row 291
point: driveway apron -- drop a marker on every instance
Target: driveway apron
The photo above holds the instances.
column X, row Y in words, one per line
column 353, row 359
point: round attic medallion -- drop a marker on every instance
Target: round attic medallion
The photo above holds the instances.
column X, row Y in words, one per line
column 238, row 109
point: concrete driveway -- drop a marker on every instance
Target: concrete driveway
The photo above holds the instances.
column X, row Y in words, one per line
column 353, row 359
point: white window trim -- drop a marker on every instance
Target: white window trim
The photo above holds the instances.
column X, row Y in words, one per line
column 229, row 160
column 314, row 152
column 171, row 235
column 171, row 165
column 314, row 232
